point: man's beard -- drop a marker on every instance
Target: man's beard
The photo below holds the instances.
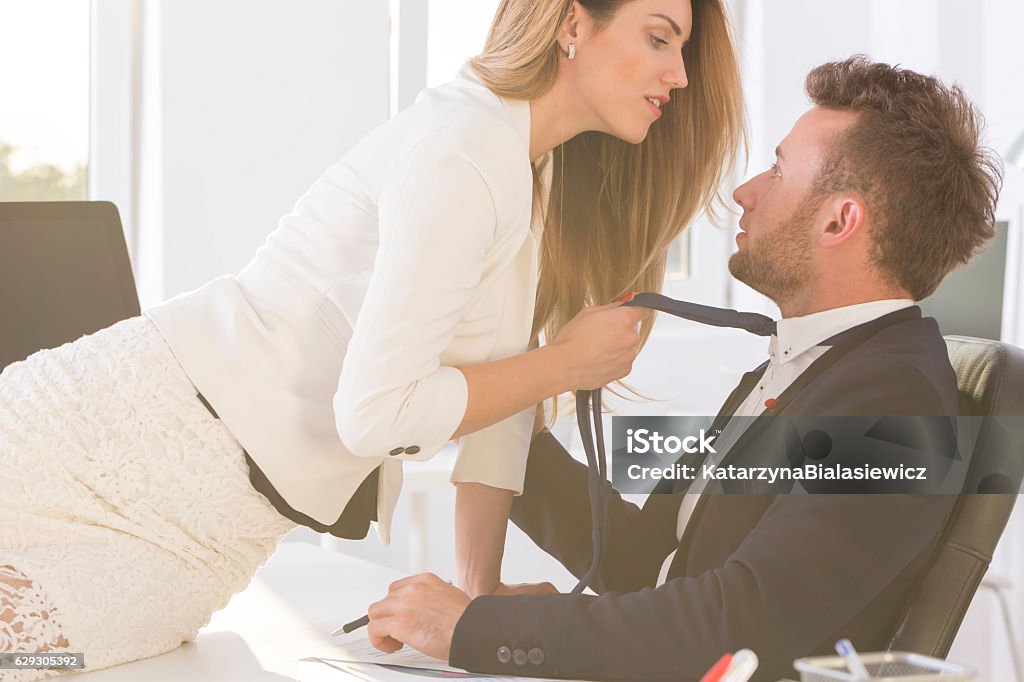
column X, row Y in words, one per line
column 779, row 264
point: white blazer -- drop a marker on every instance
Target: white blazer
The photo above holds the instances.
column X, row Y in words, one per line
column 333, row 351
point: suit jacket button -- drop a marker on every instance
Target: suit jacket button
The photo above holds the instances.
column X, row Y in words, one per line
column 504, row 654
column 396, row 451
column 412, row 449
column 536, row 656
column 519, row 657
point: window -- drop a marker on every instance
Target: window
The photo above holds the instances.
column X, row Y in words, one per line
column 678, row 266
column 44, row 109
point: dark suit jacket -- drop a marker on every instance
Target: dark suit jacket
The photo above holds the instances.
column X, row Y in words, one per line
column 784, row 575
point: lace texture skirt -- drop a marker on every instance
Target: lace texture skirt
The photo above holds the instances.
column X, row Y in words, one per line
column 126, row 513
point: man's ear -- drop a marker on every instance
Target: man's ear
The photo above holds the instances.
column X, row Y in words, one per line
column 844, row 221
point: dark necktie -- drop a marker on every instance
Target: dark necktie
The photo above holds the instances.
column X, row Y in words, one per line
column 598, row 487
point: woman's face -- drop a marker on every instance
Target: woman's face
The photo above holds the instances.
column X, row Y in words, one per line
column 625, row 70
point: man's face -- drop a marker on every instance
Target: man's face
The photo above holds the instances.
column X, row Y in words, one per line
column 780, row 212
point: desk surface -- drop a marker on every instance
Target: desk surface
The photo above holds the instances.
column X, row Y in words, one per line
column 298, row 597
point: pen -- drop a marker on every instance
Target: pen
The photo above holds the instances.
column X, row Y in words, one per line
column 853, row 663
column 715, row 672
column 743, row 666
column 354, row 625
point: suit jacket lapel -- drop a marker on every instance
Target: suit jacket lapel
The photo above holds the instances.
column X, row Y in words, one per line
column 738, row 395
column 850, row 339
column 746, row 384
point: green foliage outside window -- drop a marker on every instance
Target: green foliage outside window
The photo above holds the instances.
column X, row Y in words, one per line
column 40, row 182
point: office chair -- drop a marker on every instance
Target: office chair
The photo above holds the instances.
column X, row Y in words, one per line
column 990, row 379
column 64, row 273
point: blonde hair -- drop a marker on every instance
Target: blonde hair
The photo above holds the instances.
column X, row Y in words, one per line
column 615, row 207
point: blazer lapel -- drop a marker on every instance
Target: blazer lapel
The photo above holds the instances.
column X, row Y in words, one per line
column 746, row 384
column 738, row 395
column 728, row 409
column 847, row 341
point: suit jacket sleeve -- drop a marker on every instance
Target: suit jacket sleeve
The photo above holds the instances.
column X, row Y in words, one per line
column 440, row 217
column 792, row 579
column 810, row 564
column 554, row 511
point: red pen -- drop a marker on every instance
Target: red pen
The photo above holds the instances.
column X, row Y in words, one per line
column 718, row 669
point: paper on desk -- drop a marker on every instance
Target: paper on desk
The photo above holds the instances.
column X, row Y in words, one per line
column 359, row 660
column 359, row 650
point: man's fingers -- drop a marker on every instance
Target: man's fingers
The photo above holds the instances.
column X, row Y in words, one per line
column 412, row 579
column 384, row 608
column 399, row 584
column 379, row 632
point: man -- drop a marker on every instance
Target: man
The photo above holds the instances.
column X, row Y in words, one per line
column 877, row 193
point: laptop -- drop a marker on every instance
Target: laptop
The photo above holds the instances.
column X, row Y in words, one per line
column 64, row 273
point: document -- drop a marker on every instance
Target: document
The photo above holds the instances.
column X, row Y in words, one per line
column 359, row 660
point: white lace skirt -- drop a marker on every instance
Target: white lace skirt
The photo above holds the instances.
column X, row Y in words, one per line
column 126, row 513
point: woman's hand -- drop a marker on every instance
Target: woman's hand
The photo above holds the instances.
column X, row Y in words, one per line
column 599, row 345
column 538, row 589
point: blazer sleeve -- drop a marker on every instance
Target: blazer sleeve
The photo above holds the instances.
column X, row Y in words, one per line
column 440, row 216
column 554, row 510
column 789, row 581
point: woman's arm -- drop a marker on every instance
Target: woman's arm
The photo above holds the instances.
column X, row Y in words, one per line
column 512, row 385
column 504, row 387
column 594, row 348
column 481, row 517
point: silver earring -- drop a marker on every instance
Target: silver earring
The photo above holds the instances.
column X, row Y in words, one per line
column 572, row 51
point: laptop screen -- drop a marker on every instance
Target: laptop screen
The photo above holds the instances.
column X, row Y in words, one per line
column 64, row 273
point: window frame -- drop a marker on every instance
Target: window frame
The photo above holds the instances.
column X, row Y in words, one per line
column 115, row 61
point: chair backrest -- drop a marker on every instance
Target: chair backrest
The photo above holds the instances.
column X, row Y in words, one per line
column 64, row 272
column 990, row 379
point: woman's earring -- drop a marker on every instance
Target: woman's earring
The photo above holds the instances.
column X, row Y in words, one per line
column 572, row 51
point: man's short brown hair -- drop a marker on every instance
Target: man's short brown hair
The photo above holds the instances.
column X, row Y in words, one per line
column 913, row 155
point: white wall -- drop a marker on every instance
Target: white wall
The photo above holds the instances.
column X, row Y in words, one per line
column 246, row 104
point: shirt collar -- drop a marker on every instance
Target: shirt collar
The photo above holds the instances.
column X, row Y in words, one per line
column 797, row 335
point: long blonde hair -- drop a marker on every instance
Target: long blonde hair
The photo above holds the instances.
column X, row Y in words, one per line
column 615, row 207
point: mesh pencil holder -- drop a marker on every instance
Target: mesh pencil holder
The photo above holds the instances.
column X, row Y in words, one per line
column 892, row 666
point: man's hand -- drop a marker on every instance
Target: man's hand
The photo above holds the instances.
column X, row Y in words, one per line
column 420, row 611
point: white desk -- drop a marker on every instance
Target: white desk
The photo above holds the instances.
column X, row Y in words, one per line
column 299, row 596
column 302, row 594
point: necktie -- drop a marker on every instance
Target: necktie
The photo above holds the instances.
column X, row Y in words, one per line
column 755, row 323
column 598, row 486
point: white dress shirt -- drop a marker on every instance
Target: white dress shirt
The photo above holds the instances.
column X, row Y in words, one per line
column 791, row 350
column 333, row 351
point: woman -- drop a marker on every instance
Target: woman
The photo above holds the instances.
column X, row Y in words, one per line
column 149, row 469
